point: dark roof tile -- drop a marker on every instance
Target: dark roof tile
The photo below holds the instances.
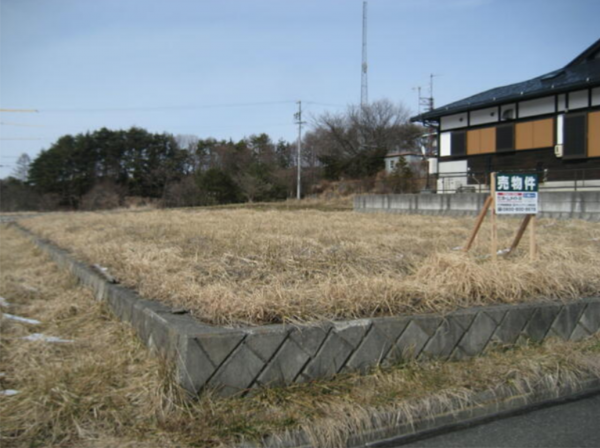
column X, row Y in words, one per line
column 583, row 71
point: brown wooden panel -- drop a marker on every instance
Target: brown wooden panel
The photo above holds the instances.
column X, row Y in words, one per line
column 473, row 142
column 560, row 169
column 488, row 140
column 594, row 134
column 524, row 135
column 543, row 133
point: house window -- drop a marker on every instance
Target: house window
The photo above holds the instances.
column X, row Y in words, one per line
column 459, row 143
column 575, row 136
column 505, row 138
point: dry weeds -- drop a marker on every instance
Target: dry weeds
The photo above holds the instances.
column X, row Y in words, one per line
column 105, row 390
column 267, row 266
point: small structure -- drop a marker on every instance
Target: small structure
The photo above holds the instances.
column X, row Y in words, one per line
column 549, row 124
column 393, row 158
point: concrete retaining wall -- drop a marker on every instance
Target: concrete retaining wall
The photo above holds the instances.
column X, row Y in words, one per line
column 582, row 205
column 233, row 361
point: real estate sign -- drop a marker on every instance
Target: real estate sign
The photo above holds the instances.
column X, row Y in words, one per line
column 516, row 194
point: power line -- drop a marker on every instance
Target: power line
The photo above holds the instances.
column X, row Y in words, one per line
column 176, row 107
column 19, row 110
column 21, row 138
column 4, row 123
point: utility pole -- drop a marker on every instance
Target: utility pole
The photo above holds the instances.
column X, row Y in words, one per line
column 299, row 122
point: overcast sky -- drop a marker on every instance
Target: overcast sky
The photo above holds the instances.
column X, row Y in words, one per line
column 231, row 68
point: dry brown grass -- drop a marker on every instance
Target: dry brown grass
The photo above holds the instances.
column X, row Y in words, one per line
column 249, row 266
column 105, row 390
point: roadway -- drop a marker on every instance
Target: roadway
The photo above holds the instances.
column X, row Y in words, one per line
column 574, row 424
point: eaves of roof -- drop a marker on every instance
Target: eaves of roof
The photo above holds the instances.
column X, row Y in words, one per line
column 580, row 73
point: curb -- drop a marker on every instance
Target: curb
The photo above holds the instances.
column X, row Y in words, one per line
column 513, row 406
column 234, row 361
column 490, row 405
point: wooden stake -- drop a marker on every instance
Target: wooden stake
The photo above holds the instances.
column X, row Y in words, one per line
column 519, row 234
column 494, row 247
column 532, row 242
column 478, row 222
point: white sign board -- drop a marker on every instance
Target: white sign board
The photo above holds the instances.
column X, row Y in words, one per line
column 516, row 194
column 518, row 203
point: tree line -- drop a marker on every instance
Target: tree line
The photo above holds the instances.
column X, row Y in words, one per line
column 106, row 168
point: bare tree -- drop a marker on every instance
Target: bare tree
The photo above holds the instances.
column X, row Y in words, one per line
column 355, row 142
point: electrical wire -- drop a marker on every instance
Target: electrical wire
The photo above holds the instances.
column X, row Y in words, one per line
column 161, row 108
column 4, row 123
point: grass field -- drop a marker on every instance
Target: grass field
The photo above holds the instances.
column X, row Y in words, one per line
column 104, row 389
column 258, row 266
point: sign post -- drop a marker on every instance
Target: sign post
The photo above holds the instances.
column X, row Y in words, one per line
column 510, row 194
column 494, row 248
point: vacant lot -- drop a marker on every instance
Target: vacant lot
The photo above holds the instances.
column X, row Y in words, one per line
column 267, row 266
column 104, row 389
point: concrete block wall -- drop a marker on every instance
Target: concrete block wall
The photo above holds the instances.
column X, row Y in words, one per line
column 234, row 361
column 564, row 204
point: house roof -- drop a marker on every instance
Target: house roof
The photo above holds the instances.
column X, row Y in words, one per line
column 582, row 72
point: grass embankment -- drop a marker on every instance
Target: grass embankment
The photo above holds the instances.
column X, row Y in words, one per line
column 105, row 390
column 248, row 266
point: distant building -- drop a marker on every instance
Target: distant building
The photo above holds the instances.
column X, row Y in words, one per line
column 393, row 158
column 549, row 124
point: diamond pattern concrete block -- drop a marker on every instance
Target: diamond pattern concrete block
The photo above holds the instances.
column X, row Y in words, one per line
column 285, row 365
column 352, row 332
column 443, row 342
column 391, row 327
column 567, row 319
column 410, row 344
column 579, row 333
column 138, row 321
column 265, row 344
column 511, row 326
column 370, row 352
column 219, row 346
column 478, row 335
column 463, row 318
column 159, row 336
column 541, row 321
column 309, row 338
column 237, row 373
column 495, row 314
column 458, row 354
column 590, row 318
column 193, row 366
column 429, row 324
column 330, row 359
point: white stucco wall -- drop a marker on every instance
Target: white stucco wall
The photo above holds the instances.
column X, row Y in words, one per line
column 540, row 106
column 454, row 121
column 483, row 116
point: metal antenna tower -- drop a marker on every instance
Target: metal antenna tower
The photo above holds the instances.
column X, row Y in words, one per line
column 427, row 104
column 364, row 86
